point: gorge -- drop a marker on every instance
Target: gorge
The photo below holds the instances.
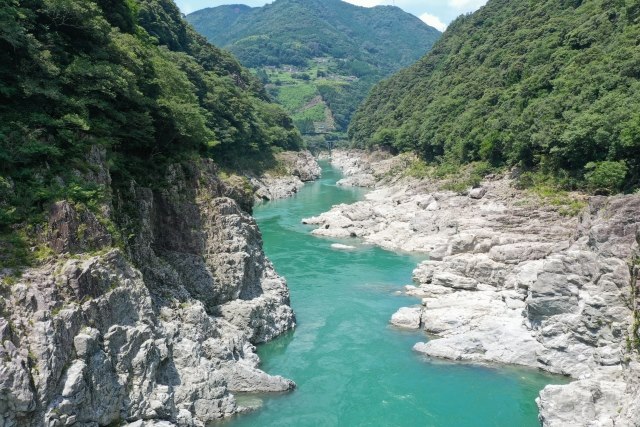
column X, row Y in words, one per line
column 350, row 366
column 472, row 257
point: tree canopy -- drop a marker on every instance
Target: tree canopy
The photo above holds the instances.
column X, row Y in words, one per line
column 548, row 85
column 128, row 75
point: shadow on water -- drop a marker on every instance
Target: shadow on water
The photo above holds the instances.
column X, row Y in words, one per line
column 351, row 367
column 279, row 346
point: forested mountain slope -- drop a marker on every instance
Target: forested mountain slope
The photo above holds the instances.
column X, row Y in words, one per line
column 130, row 76
column 548, row 85
column 314, row 54
column 294, row 31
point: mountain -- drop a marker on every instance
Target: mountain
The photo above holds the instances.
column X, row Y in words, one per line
column 551, row 86
column 131, row 77
column 295, row 31
column 318, row 58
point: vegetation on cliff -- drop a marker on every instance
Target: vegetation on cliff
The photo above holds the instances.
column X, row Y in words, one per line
column 328, row 53
column 550, row 86
column 129, row 76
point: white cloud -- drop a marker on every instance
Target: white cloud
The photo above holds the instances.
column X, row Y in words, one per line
column 433, row 21
column 466, row 4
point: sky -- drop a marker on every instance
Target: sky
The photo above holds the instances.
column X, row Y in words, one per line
column 437, row 13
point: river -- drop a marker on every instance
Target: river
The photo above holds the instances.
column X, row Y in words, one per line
column 351, row 367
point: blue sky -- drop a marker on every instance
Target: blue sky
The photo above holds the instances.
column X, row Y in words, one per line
column 437, row 13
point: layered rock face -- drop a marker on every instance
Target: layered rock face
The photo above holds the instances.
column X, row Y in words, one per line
column 157, row 330
column 511, row 280
column 296, row 169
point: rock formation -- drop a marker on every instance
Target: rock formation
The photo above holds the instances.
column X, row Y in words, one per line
column 511, row 279
column 295, row 169
column 154, row 325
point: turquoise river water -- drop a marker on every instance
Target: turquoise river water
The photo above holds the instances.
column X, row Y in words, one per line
column 351, row 367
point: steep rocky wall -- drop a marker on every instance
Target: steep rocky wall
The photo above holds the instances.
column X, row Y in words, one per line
column 160, row 327
column 595, row 336
column 513, row 280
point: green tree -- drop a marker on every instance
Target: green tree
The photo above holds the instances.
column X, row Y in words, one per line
column 605, row 176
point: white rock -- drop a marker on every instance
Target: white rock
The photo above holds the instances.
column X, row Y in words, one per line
column 477, row 193
column 510, row 280
column 300, row 167
column 407, row 317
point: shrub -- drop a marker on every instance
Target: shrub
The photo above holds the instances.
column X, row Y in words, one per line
column 605, row 176
column 418, row 169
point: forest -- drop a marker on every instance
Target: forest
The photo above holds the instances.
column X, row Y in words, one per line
column 551, row 87
column 130, row 76
column 295, row 31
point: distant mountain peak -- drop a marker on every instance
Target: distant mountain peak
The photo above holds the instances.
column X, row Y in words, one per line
column 338, row 28
column 284, row 41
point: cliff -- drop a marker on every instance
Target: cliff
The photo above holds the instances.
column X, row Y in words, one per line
column 161, row 327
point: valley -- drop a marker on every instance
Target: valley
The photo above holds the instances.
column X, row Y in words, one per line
column 320, row 76
column 178, row 248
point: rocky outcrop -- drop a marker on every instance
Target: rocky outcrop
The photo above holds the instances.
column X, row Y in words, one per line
column 72, row 230
column 513, row 280
column 294, row 169
column 362, row 168
column 585, row 315
column 153, row 326
column 408, row 318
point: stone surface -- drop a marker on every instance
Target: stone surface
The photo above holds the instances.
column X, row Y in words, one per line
column 361, row 168
column 512, row 280
column 597, row 401
column 75, row 231
column 407, row 317
column 477, row 193
column 297, row 168
column 159, row 332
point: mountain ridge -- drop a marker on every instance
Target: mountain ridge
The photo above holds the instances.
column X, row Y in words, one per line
column 332, row 15
column 349, row 47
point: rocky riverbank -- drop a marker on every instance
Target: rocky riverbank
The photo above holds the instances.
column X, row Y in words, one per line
column 294, row 169
column 512, row 279
column 155, row 325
